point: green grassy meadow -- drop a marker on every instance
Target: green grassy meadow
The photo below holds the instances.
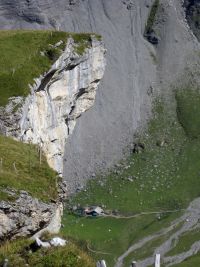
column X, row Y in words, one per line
column 165, row 176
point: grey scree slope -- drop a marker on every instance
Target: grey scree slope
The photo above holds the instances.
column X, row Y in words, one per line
column 122, row 102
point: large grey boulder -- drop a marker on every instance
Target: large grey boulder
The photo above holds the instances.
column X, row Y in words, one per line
column 25, row 216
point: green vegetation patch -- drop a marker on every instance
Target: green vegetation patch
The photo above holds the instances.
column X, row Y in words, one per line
column 20, row 169
column 185, row 242
column 152, row 16
column 82, row 42
column 188, row 110
column 18, row 253
column 190, row 262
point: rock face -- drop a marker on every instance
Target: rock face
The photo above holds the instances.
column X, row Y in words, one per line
column 26, row 216
column 192, row 8
column 49, row 114
column 136, row 70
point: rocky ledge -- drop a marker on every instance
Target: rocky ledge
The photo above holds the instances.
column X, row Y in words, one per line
column 27, row 216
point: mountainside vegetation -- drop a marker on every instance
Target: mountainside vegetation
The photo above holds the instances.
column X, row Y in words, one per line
column 160, row 177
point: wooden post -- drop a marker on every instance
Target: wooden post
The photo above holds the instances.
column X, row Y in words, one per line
column 29, row 155
column 14, row 166
column 157, row 260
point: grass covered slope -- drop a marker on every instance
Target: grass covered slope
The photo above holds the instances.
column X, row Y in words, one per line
column 21, row 60
column 19, row 254
column 25, row 55
column 164, row 176
column 21, row 170
column 188, row 111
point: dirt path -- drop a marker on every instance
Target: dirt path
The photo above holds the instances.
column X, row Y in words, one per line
column 141, row 214
column 97, row 252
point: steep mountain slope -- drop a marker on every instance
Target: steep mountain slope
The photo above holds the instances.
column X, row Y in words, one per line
column 135, row 68
column 153, row 54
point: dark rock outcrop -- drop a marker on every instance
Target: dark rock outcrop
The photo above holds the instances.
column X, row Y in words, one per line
column 192, row 9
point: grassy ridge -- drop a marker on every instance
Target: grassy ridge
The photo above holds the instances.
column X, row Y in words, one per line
column 21, row 60
column 165, row 176
column 18, row 253
column 28, row 174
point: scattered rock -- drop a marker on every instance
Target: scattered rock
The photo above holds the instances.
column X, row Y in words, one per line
column 130, row 179
column 138, row 148
column 127, row 167
column 62, row 190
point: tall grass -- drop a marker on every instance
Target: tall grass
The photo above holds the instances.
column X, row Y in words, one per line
column 19, row 254
column 21, row 170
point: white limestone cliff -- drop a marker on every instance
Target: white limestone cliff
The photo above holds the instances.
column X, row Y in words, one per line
column 49, row 114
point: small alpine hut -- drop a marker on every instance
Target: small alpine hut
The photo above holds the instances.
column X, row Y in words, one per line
column 93, row 211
